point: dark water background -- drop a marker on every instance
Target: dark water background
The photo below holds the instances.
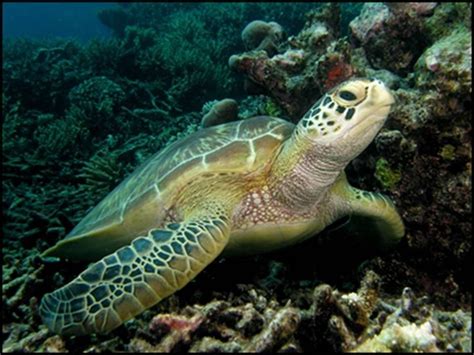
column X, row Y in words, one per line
column 43, row 20
column 80, row 21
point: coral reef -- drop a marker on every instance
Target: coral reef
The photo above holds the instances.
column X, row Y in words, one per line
column 116, row 19
column 431, row 80
column 59, row 137
column 448, row 16
column 312, row 319
column 225, row 15
column 306, row 65
column 77, row 118
column 417, row 8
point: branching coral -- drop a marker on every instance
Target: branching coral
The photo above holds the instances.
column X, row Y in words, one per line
column 12, row 126
column 97, row 99
column 414, row 326
column 101, row 173
column 197, row 60
column 42, row 79
column 59, row 137
column 244, row 328
column 284, row 324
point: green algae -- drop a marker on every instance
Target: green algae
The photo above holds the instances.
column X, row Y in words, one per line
column 385, row 174
column 271, row 108
column 447, row 152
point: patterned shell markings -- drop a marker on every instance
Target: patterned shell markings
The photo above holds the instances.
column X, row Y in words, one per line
column 236, row 146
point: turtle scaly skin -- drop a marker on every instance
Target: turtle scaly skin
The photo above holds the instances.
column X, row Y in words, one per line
column 239, row 188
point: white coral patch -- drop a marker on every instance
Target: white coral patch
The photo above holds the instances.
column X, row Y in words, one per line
column 409, row 337
column 352, row 298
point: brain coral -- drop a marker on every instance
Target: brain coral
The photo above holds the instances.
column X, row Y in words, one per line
column 262, row 35
column 222, row 111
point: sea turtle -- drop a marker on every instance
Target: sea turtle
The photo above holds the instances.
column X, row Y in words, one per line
column 243, row 187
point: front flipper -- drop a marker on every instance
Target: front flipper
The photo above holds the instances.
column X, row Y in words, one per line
column 134, row 278
column 375, row 217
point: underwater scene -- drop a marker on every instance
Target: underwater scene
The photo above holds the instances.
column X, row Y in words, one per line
column 237, row 177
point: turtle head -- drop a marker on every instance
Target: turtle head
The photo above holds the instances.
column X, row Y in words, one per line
column 346, row 119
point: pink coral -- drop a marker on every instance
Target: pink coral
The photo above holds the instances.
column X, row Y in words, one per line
column 175, row 323
column 432, row 63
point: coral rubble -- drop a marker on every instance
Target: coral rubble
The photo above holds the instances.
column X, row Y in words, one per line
column 364, row 320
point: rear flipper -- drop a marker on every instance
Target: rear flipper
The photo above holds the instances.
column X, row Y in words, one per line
column 134, row 278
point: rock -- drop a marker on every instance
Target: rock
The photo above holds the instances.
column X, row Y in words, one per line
column 446, row 66
column 54, row 344
column 224, row 111
column 387, row 40
column 419, row 8
column 370, row 21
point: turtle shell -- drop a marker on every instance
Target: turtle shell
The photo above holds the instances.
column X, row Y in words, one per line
column 142, row 200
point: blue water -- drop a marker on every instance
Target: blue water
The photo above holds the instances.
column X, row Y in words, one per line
column 79, row 20
column 49, row 20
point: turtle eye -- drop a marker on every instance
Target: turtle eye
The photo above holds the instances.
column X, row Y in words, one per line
column 347, row 95
column 351, row 94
